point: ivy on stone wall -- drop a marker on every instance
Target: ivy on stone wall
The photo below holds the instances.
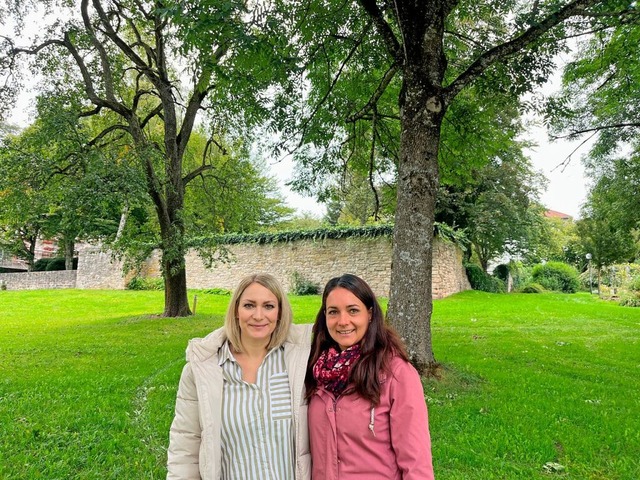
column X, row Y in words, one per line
column 368, row 231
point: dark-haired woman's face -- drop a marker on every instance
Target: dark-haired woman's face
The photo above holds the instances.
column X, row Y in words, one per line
column 347, row 317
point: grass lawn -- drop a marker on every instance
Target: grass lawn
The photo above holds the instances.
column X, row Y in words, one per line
column 88, row 382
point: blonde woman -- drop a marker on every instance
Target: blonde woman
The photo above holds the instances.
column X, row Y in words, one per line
column 240, row 411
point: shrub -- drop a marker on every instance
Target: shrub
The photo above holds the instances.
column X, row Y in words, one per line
column 480, row 280
column 556, row 276
column 630, row 302
column 532, row 288
column 502, row 272
column 302, row 286
column 634, row 286
column 52, row 264
column 41, row 264
column 141, row 283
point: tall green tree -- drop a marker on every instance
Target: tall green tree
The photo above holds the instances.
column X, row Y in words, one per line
column 133, row 66
column 419, row 57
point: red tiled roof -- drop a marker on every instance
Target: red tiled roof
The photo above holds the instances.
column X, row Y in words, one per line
column 554, row 214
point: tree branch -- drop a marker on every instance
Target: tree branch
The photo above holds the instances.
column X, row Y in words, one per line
column 393, row 46
column 382, row 86
column 596, row 129
column 504, row 50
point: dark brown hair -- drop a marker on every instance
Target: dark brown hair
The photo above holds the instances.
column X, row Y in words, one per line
column 379, row 345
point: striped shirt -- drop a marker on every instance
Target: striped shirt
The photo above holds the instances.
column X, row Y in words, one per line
column 257, row 430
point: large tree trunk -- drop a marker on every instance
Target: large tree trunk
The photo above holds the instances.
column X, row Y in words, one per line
column 421, row 112
column 176, row 301
column 410, row 304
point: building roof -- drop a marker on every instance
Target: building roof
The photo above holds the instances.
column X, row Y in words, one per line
column 554, row 214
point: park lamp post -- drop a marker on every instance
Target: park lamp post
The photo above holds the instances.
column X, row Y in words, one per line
column 588, row 255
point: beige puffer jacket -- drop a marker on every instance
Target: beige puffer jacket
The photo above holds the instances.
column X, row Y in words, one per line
column 194, row 444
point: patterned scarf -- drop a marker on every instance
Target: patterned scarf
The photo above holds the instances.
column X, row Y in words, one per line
column 332, row 368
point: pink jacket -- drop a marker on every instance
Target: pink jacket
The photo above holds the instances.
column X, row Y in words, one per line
column 351, row 441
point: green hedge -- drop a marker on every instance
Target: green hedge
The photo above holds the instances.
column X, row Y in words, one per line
column 480, row 280
column 52, row 264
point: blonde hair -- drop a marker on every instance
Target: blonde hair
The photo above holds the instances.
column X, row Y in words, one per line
column 285, row 315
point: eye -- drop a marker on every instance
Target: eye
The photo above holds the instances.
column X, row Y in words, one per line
column 331, row 312
column 247, row 305
column 354, row 311
column 269, row 306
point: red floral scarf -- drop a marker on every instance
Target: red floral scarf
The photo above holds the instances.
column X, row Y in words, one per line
column 332, row 368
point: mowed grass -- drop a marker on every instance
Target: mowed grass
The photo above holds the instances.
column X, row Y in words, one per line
column 88, row 382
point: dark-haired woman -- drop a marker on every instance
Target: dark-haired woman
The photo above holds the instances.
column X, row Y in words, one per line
column 367, row 412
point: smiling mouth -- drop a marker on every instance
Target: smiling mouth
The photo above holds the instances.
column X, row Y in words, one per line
column 346, row 332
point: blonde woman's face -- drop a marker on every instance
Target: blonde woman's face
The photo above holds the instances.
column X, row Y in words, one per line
column 257, row 312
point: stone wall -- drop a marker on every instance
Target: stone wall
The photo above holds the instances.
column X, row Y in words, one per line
column 39, row 280
column 318, row 261
column 315, row 261
column 98, row 270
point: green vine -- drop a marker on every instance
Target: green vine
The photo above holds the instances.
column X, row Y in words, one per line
column 368, row 231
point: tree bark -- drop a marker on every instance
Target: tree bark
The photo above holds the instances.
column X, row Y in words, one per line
column 69, row 247
column 421, row 113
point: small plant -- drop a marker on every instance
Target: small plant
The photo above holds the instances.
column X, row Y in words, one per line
column 217, row 291
column 556, row 276
column 532, row 288
column 141, row 283
column 302, row 286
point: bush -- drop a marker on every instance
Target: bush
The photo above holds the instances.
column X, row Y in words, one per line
column 302, row 286
column 140, row 283
column 532, row 288
column 502, row 272
column 630, row 302
column 480, row 280
column 556, row 276
column 634, row 286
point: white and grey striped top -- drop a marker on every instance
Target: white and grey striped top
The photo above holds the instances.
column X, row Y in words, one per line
column 257, row 428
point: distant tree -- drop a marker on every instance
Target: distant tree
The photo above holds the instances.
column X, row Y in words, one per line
column 137, row 68
column 499, row 209
column 599, row 101
column 603, row 229
column 56, row 188
column 556, row 241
